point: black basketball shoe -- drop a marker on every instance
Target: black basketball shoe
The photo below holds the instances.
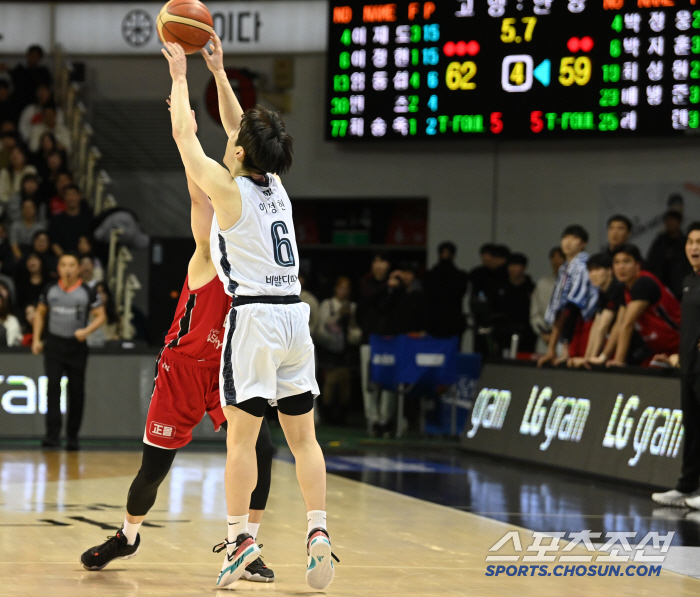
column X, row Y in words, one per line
column 115, row 548
column 256, row 571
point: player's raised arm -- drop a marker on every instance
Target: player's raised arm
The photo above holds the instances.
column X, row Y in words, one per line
column 211, row 177
column 229, row 108
column 202, row 212
column 202, row 209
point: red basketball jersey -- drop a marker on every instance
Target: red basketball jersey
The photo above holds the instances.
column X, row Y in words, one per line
column 197, row 330
column 659, row 324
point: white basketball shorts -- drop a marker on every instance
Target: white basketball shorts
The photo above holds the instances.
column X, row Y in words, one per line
column 267, row 353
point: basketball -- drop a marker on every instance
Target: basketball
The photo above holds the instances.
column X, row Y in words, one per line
column 186, row 22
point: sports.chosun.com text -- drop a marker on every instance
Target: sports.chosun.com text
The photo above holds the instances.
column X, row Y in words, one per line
column 573, row 570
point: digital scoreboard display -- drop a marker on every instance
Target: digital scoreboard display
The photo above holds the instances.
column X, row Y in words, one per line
column 516, row 69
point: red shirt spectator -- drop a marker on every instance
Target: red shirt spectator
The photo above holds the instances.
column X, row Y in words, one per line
column 650, row 309
column 659, row 323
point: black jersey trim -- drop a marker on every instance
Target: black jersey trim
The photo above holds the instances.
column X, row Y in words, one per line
column 227, row 369
column 226, row 267
column 185, row 321
column 661, row 312
column 258, row 183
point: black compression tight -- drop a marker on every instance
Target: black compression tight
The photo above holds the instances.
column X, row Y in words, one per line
column 156, row 463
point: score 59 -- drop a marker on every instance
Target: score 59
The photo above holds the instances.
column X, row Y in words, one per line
column 575, row 70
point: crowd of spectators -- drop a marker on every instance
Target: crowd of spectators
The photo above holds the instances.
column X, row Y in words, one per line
column 613, row 307
column 42, row 212
column 390, row 301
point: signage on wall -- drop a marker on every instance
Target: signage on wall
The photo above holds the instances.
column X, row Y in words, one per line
column 626, row 426
column 128, row 29
column 27, row 396
column 250, row 27
column 16, row 19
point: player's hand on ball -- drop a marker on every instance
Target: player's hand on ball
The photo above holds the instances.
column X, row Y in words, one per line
column 215, row 60
column 176, row 58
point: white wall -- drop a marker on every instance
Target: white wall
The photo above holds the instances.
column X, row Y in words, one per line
column 539, row 188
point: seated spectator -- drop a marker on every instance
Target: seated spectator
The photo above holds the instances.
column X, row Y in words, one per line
column 47, row 147
column 8, row 141
column 28, row 76
column 407, row 307
column 57, row 201
column 445, row 287
column 31, row 280
column 34, row 112
column 50, row 124
column 29, row 190
column 573, row 300
column 66, row 228
column 336, row 334
column 510, row 299
column 87, row 271
column 53, row 165
column 609, row 310
column 7, row 288
column 22, row 231
column 8, row 107
column 10, row 330
column 619, row 231
column 12, row 176
column 666, row 258
column 541, row 295
column 651, row 309
column 7, row 257
column 28, row 325
column 371, row 315
column 86, row 249
column 109, row 330
column 41, row 245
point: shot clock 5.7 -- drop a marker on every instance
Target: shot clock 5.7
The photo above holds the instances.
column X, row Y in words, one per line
column 513, row 69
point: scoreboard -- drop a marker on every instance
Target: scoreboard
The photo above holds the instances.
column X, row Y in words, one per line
column 516, row 69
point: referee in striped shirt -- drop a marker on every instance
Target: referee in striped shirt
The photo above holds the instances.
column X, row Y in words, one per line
column 64, row 310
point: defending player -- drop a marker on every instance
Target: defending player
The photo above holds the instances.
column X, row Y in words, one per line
column 187, row 386
column 268, row 353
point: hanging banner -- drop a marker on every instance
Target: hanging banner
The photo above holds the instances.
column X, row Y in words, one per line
column 244, row 27
column 24, row 24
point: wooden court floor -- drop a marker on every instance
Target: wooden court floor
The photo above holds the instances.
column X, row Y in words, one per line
column 53, row 506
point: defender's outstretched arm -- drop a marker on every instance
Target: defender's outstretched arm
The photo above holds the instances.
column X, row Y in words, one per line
column 210, row 176
column 229, row 108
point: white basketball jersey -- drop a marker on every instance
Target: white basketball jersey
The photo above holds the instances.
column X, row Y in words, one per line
column 258, row 254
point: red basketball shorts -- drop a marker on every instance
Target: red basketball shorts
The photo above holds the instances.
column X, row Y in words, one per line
column 185, row 389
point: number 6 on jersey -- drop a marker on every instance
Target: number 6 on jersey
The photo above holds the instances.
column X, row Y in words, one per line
column 281, row 247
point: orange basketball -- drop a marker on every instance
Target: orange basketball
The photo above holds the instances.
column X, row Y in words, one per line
column 186, row 22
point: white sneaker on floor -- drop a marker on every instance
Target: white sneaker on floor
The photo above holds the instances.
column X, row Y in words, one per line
column 238, row 555
column 673, row 497
column 693, row 501
column 320, row 570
